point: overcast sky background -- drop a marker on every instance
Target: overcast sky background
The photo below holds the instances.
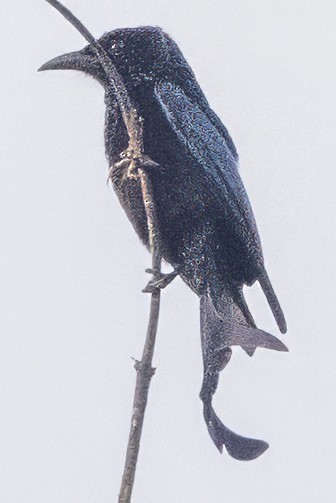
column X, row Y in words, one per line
column 72, row 269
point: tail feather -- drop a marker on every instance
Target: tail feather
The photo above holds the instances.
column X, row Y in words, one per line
column 241, row 448
column 225, row 324
column 242, row 305
column 273, row 301
column 252, row 338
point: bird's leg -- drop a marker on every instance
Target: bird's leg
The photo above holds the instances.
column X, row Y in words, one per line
column 129, row 165
column 159, row 280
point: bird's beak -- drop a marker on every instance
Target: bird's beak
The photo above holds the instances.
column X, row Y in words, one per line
column 71, row 61
column 78, row 60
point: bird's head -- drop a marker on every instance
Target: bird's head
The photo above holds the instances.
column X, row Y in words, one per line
column 141, row 55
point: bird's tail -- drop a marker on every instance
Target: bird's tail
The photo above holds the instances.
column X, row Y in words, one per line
column 220, row 331
column 241, row 448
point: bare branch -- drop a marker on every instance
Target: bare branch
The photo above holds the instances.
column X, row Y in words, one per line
column 135, row 155
column 145, row 371
column 144, row 368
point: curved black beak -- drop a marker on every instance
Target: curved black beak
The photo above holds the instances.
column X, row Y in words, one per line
column 77, row 60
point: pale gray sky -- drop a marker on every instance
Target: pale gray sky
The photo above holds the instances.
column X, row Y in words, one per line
column 72, row 269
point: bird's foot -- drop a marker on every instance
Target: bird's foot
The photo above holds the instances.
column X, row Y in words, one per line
column 129, row 165
column 159, row 281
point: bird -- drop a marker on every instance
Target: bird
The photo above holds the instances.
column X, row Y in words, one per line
column 204, row 223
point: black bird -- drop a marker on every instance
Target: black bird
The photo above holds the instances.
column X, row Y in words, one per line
column 204, row 222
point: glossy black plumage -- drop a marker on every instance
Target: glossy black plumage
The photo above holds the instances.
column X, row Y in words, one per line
column 204, row 222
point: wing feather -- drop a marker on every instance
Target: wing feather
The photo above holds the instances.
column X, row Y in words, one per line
column 213, row 152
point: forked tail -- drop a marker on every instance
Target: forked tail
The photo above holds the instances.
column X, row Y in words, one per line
column 218, row 333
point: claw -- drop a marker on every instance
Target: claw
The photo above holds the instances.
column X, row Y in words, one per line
column 159, row 280
column 129, row 165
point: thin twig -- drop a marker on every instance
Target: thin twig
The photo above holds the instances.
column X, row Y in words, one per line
column 144, row 368
column 135, row 150
column 126, row 107
column 145, row 371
